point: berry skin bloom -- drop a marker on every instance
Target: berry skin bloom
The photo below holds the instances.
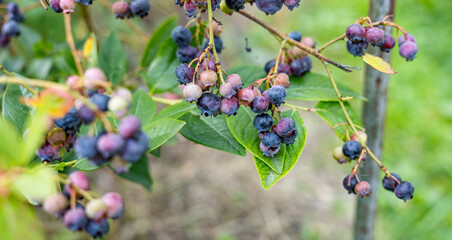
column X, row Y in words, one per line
column 353, row 182
column 133, row 150
column 101, row 101
column 192, row 92
column 181, row 36
column 290, row 139
column 184, row 73
column 375, row 36
column 352, row 149
column 357, row 48
column 229, row 106
column 260, row 104
column 407, row 38
column 276, row 95
column 55, row 203
column 363, row 189
column 263, row 122
column 355, row 32
column 404, row 190
column 269, row 152
column 11, row 28
column 97, row 229
column 186, row 54
column 85, row 147
column 271, row 140
column 388, row 44
column 285, row 127
column 390, row 183
column 140, row 7
column 75, row 219
column 301, row 66
column 269, row 6
column 408, row 50
column 209, row 104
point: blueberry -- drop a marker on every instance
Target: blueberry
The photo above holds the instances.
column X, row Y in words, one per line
column 11, row 28
column 181, row 36
column 115, row 205
column 276, row 95
column 282, row 79
column 408, row 50
column 285, row 127
column 352, row 149
column 68, row 6
column 263, row 122
column 235, row 80
column 362, row 135
column 190, row 9
column 229, row 106
column 4, row 40
column 260, row 104
column 101, row 101
column 129, row 126
column 14, row 13
column 269, row 65
column 235, row 4
column 301, row 66
column 192, row 92
column 140, row 7
column 291, row 4
column 355, row 32
column 184, row 73
column 388, row 44
column 86, row 114
column 339, row 155
column 271, row 140
column 96, row 209
column 353, row 182
column 80, row 180
column 70, row 123
column 91, row 92
column 246, row 96
column 110, row 144
column 75, row 219
column 186, row 54
column 218, row 41
column 209, row 104
column 208, row 79
column 55, row 203
column 407, row 38
column 269, row 152
column 295, row 35
column 227, row 90
column 97, row 229
column 133, row 151
column 404, row 190
column 121, row 9
column 357, row 48
column 284, row 68
column 362, row 189
column 94, row 78
column 178, row 2
column 375, row 36
column 85, row 147
column 389, row 183
column 269, row 6
column 209, row 64
column 290, row 139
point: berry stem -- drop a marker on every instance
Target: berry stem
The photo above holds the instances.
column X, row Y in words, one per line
column 341, row 37
column 166, row 101
column 212, row 42
column 107, row 124
column 278, row 58
column 291, row 41
column 6, row 72
column 43, row 5
column 82, row 192
column 70, row 41
column 303, row 108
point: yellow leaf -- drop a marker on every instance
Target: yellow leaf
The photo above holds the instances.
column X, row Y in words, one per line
column 88, row 46
column 378, row 63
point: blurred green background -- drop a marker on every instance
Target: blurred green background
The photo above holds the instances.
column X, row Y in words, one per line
column 201, row 193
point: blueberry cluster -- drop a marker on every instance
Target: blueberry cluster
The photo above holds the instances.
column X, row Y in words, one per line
column 402, row 189
column 91, row 217
column 296, row 62
column 11, row 28
column 360, row 37
column 125, row 9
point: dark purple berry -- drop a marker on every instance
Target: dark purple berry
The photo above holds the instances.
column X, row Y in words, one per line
column 110, row 144
column 86, row 147
column 269, row 65
column 295, row 35
column 229, row 106
column 269, row 152
column 408, row 50
column 291, row 4
column 140, row 7
column 357, row 48
column 260, row 104
column 209, row 104
column 75, row 219
column 86, row 114
column 363, row 189
column 101, row 101
column 55, row 6
column 129, row 126
column 184, row 73
column 186, row 54
column 11, row 28
column 301, row 66
column 70, row 123
column 97, row 229
column 352, row 149
column 276, row 95
column 388, row 44
column 269, row 6
column 375, row 36
column 290, row 139
column 390, row 183
column 84, row 2
column 284, row 68
column 4, row 40
column 209, row 64
column 355, row 32
column 263, row 122
column 181, row 36
column 235, row 4
column 271, row 140
column 285, row 127
column 350, row 186
column 404, row 190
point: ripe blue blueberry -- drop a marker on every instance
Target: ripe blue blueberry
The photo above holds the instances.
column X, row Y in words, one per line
column 404, row 190
column 390, row 183
column 357, row 48
column 235, row 4
column 133, row 151
column 100, row 100
column 269, row 65
column 355, row 32
column 350, row 186
column 184, row 73
column 75, row 219
column 97, row 229
column 295, row 35
column 229, row 106
column 140, row 7
column 11, row 28
column 352, row 149
column 271, row 140
column 209, row 104
column 14, row 13
column 85, row 147
column 263, row 122
column 70, row 123
column 181, row 36
column 260, row 104
column 186, row 54
column 276, row 95
column 269, row 6
column 290, row 139
column 301, row 66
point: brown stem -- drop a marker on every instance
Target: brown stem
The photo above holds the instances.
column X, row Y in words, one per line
column 70, row 41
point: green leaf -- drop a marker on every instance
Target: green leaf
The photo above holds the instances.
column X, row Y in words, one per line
column 10, row 145
column 13, row 109
column 241, row 126
column 156, row 152
column 175, row 111
column 211, row 132
column 316, row 87
column 161, row 131
column 36, row 183
column 86, row 165
column 143, row 106
column 39, row 68
column 158, row 36
column 36, row 134
column 269, row 177
column 113, row 58
column 19, row 221
column 139, row 173
column 160, row 76
column 334, row 115
column 248, row 73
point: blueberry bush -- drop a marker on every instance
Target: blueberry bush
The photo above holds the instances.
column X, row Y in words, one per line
column 85, row 113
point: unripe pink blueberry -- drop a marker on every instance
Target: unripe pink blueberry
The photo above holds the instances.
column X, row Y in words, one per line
column 80, row 180
column 120, row 9
column 96, row 209
column 282, row 79
column 375, row 36
column 94, row 78
column 406, row 37
column 246, row 96
column 227, row 90
column 388, row 44
column 308, row 41
column 362, row 134
column 68, row 6
column 114, row 203
column 124, row 93
column 192, row 92
column 110, row 144
column 129, row 126
column 72, row 81
column 235, row 80
column 55, row 203
column 208, row 78
column 363, row 189
column 229, row 106
column 408, row 50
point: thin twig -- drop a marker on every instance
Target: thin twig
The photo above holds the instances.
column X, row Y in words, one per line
column 341, row 37
column 70, row 41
